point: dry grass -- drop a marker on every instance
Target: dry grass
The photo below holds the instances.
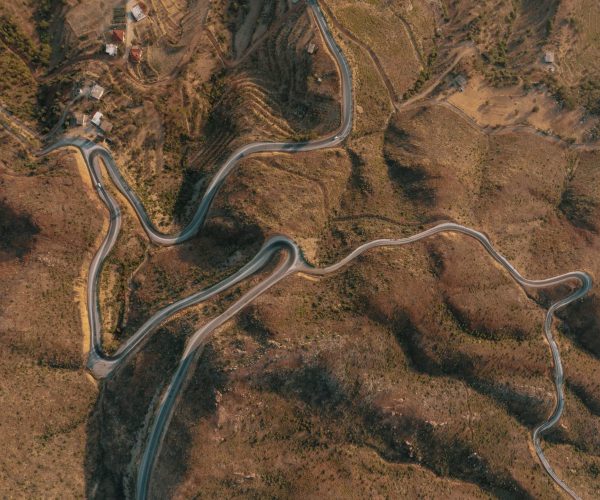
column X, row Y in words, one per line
column 418, row 371
column 578, row 42
column 409, row 353
column 45, row 394
column 385, row 34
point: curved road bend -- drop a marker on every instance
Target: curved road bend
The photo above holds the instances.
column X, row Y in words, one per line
column 294, row 263
column 92, row 151
column 102, row 366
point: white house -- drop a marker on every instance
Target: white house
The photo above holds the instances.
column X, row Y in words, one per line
column 97, row 118
column 111, row 49
column 97, row 91
column 137, row 12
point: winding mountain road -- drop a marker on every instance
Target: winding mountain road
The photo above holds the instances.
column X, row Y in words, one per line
column 291, row 262
column 98, row 363
column 294, row 263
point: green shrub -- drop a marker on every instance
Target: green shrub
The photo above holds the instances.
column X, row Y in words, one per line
column 17, row 85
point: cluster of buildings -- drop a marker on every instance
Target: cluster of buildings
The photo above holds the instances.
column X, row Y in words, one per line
column 93, row 91
column 138, row 12
column 119, row 36
column 116, row 39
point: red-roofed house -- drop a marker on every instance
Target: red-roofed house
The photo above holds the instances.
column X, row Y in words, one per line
column 118, row 36
column 135, row 54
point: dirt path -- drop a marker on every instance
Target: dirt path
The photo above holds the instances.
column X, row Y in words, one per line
column 506, row 129
column 413, row 38
column 230, row 64
column 460, row 53
column 18, row 129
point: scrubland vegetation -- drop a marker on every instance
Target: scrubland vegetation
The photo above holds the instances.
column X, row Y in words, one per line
column 416, row 371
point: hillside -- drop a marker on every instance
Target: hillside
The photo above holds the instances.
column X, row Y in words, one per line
column 414, row 371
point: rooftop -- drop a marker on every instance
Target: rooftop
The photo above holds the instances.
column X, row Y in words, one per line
column 118, row 35
column 97, row 91
column 97, row 118
column 137, row 12
column 111, row 49
column 460, row 81
column 135, row 54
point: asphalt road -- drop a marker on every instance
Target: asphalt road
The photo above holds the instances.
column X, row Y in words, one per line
column 583, row 278
column 101, row 365
column 291, row 261
column 294, row 263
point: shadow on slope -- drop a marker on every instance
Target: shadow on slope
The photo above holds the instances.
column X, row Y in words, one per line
column 17, row 233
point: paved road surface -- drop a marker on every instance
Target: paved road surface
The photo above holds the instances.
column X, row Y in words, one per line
column 98, row 363
column 291, row 262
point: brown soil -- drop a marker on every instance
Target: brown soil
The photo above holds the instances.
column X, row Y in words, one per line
column 46, row 396
column 416, row 371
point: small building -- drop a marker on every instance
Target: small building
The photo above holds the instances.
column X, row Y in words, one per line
column 97, row 91
column 460, row 82
column 311, row 49
column 97, row 118
column 118, row 36
column 111, row 49
column 135, row 54
column 549, row 57
column 105, row 126
column 79, row 119
column 138, row 12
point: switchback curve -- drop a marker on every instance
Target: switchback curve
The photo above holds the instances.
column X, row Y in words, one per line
column 103, row 366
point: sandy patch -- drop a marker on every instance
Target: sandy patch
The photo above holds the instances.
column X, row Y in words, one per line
column 309, row 248
column 491, row 107
column 80, row 285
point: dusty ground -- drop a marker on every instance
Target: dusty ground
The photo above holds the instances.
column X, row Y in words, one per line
column 46, row 396
column 415, row 372
column 494, row 108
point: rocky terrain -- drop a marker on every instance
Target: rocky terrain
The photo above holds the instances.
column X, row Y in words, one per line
column 415, row 371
